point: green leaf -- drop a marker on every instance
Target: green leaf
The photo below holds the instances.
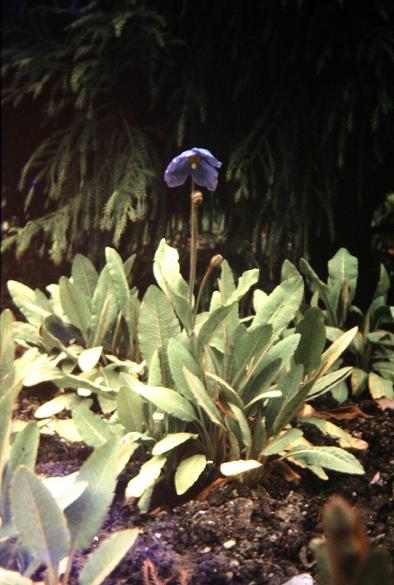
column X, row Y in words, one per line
column 346, row 440
column 7, row 345
column 201, row 397
column 118, row 278
column 327, row 382
column 281, row 442
column 245, row 282
column 86, row 514
column 179, row 356
column 75, row 305
column 66, row 429
column 168, row 276
column 207, row 330
column 89, row 358
column 104, row 309
column 23, row 452
column 188, row 472
column 315, row 283
column 13, row 578
column 84, row 275
column 65, row 489
column 107, row 556
column 280, row 307
column 171, row 441
column 239, row 466
column 292, row 399
column 130, row 409
column 93, row 429
column 343, row 267
column 249, row 351
column 32, row 304
column 313, row 338
column 147, row 476
column 383, row 285
column 330, row 356
column 243, row 425
column 40, row 522
column 380, row 387
column 358, row 381
column 329, row 458
column 167, row 400
column 157, row 323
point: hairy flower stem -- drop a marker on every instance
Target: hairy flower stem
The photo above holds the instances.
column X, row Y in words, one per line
column 196, row 200
column 200, row 291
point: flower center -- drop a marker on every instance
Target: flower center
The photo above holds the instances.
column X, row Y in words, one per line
column 194, row 159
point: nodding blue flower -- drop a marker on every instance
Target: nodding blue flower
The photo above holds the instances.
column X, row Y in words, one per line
column 197, row 162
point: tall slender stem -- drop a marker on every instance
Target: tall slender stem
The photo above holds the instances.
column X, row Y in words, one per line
column 195, row 202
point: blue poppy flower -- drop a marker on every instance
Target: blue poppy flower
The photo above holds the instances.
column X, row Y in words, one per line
column 197, row 162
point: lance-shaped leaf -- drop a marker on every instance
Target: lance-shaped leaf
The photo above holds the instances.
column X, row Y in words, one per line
column 330, row 356
column 188, row 472
column 329, row 458
column 92, row 428
column 281, row 410
column 86, row 514
column 167, row 400
column 239, row 466
column 328, row 382
column 118, row 278
column 243, row 425
column 245, row 282
column 104, row 309
column 84, row 275
column 313, row 338
column 89, row 358
column 280, row 307
column 34, row 305
column 168, row 276
column 147, row 476
column 281, row 442
column 130, row 409
column 249, row 351
column 75, row 305
column 108, row 554
column 215, row 318
column 346, row 440
column 343, row 267
column 7, row 345
column 65, row 489
column 40, row 522
column 23, row 452
column 171, row 441
column 157, row 323
column 179, row 356
column 201, row 397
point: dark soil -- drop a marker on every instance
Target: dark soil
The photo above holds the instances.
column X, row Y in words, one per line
column 237, row 534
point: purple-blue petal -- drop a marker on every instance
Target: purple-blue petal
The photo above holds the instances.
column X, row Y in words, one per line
column 207, row 156
column 178, row 170
column 205, row 175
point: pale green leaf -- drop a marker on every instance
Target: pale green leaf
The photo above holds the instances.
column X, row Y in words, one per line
column 330, row 356
column 343, row 267
column 167, row 400
column 39, row 520
column 280, row 307
column 106, row 557
column 118, row 278
column 245, row 282
column 313, row 338
column 7, row 345
column 346, row 440
column 201, row 397
column 86, row 514
column 65, row 489
column 179, row 356
column 92, row 428
column 188, row 472
column 207, row 330
column 35, row 307
column 84, row 275
column 147, row 476
column 157, row 323
column 75, row 305
column 243, row 425
column 130, row 409
column 281, row 442
column 239, row 466
column 329, row 458
column 104, row 309
column 56, row 405
column 329, row 381
column 89, row 358
column 66, row 429
column 171, row 441
column 380, row 387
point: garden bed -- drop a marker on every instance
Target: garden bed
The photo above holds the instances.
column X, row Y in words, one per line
column 237, row 534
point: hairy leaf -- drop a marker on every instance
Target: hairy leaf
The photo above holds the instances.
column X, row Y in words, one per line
column 188, row 472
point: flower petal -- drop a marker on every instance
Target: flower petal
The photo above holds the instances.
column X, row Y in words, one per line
column 178, row 170
column 207, row 156
column 205, row 175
